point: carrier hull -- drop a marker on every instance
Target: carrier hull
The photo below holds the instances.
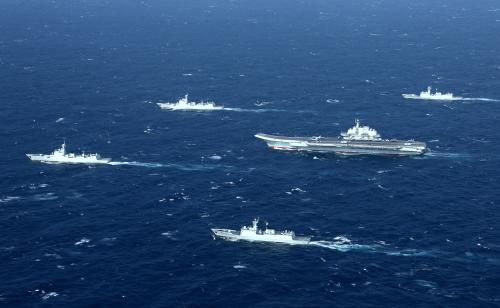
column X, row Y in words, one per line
column 344, row 147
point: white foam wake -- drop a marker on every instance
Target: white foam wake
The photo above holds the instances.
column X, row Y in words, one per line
column 481, row 99
column 447, row 155
column 344, row 246
column 190, row 167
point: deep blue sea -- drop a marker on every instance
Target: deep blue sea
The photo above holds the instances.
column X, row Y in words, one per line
column 423, row 231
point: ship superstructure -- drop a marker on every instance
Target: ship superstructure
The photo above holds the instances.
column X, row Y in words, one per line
column 254, row 234
column 60, row 156
column 358, row 140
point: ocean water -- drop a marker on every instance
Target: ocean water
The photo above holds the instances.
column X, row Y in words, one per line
column 413, row 231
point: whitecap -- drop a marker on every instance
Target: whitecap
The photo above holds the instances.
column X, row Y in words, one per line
column 170, row 234
column 297, row 190
column 84, row 240
column 59, row 120
column 426, row 283
column 342, row 240
column 260, row 104
column 9, row 199
column 382, row 187
column 46, row 296
column 332, row 101
column 45, row 197
column 53, row 255
column 383, row 171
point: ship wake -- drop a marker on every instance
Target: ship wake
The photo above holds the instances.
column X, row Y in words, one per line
column 345, row 246
column 186, row 167
column 480, row 99
column 447, row 155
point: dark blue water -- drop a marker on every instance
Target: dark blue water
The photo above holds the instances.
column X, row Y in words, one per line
column 423, row 231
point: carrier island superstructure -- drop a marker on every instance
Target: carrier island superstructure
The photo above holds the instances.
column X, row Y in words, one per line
column 358, row 140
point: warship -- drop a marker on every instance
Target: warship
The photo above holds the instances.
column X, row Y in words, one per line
column 358, row 140
column 437, row 96
column 184, row 104
column 254, row 234
column 60, row 156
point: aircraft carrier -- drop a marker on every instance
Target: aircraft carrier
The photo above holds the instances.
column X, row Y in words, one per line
column 358, row 140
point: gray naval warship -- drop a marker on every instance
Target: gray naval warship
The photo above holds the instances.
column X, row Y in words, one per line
column 358, row 140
